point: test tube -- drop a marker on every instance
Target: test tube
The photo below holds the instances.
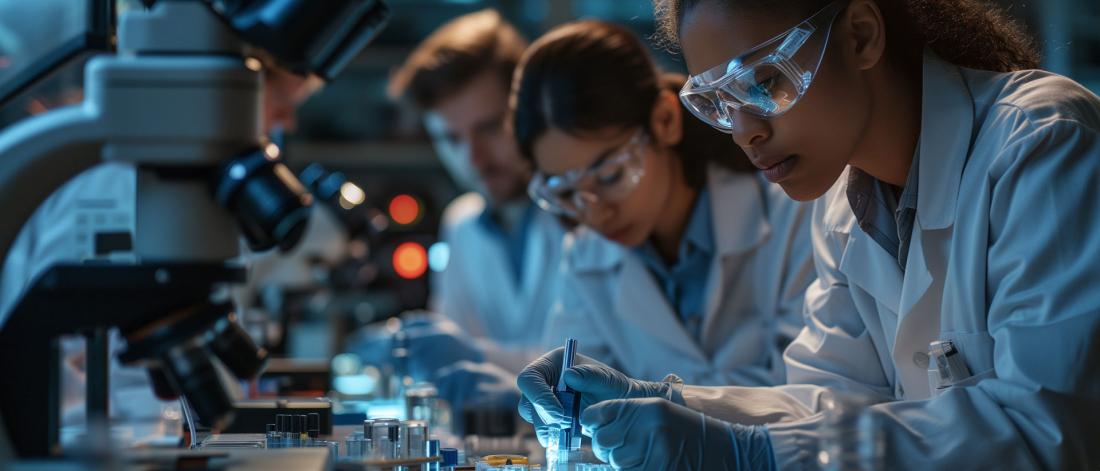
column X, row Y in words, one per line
column 569, row 438
column 293, row 437
column 420, row 402
column 314, row 422
column 432, row 450
column 282, row 425
column 417, row 439
column 450, row 458
column 385, row 438
column 353, row 445
column 271, row 436
column 403, row 440
column 303, row 430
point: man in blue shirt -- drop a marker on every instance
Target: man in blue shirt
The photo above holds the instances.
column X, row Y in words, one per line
column 502, row 272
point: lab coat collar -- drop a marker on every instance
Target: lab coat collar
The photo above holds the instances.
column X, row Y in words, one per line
column 739, row 220
column 946, row 129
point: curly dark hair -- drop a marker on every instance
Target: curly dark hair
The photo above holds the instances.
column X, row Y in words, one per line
column 969, row 33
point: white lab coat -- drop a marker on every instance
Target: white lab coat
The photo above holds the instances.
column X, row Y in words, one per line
column 62, row 230
column 1003, row 261
column 478, row 292
column 613, row 306
column 63, row 227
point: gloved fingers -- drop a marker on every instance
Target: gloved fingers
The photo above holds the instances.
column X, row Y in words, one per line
column 609, row 423
column 628, row 459
column 544, row 434
column 483, row 372
column 607, row 413
column 373, row 350
column 536, row 382
column 535, row 415
column 528, row 412
column 597, row 382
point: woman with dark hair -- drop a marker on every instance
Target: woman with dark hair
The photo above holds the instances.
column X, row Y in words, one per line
column 955, row 236
column 686, row 258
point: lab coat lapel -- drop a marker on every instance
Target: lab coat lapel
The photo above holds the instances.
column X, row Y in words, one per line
column 871, row 268
column 740, row 224
column 540, row 263
column 946, row 129
column 505, row 287
column 946, row 134
column 641, row 302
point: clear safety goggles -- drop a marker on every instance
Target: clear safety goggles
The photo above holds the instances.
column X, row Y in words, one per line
column 766, row 81
column 613, row 178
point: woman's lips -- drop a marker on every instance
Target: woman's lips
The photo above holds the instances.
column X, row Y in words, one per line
column 778, row 171
column 619, row 234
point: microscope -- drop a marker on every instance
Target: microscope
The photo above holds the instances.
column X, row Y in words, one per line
column 180, row 102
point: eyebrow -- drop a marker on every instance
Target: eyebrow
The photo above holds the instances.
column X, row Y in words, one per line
column 603, row 156
column 493, row 120
column 600, row 158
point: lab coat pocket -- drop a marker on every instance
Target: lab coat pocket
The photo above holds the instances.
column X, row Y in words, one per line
column 976, row 349
column 933, row 380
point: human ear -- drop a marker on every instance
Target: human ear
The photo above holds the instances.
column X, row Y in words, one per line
column 667, row 119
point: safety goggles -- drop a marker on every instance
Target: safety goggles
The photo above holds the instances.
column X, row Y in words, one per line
column 766, row 81
column 613, row 178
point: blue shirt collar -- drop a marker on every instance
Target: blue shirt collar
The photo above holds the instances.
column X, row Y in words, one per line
column 698, row 236
column 514, row 241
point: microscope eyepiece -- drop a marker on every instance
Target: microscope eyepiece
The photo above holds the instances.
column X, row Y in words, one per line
column 191, row 368
column 235, row 348
column 270, row 204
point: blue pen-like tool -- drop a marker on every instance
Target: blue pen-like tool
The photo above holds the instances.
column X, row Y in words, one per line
column 569, row 438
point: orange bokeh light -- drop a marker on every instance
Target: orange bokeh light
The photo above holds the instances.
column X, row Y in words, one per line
column 410, row 260
column 404, row 210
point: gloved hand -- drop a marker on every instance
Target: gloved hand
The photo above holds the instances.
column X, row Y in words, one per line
column 595, row 381
column 656, row 434
column 466, row 382
column 429, row 347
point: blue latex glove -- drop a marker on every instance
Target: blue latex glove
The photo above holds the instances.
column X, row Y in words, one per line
column 657, row 434
column 595, row 381
column 430, row 347
column 466, row 382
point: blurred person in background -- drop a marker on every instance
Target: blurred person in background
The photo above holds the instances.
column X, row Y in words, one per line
column 492, row 299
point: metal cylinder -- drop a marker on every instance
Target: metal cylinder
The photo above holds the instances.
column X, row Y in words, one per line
column 386, row 438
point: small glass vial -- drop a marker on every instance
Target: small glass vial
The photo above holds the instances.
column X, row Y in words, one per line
column 386, row 439
column 417, row 436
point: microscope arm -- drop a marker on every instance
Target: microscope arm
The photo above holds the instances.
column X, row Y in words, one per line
column 39, row 155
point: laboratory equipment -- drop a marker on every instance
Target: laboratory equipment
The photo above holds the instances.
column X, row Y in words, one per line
column 417, row 438
column 851, row 437
column 563, row 459
column 391, row 443
column 422, row 403
column 181, row 104
column 274, row 439
column 449, row 458
column 502, row 463
column 346, row 200
column 569, row 437
column 251, row 415
column 433, row 450
column 226, row 459
column 358, row 446
column 386, row 438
